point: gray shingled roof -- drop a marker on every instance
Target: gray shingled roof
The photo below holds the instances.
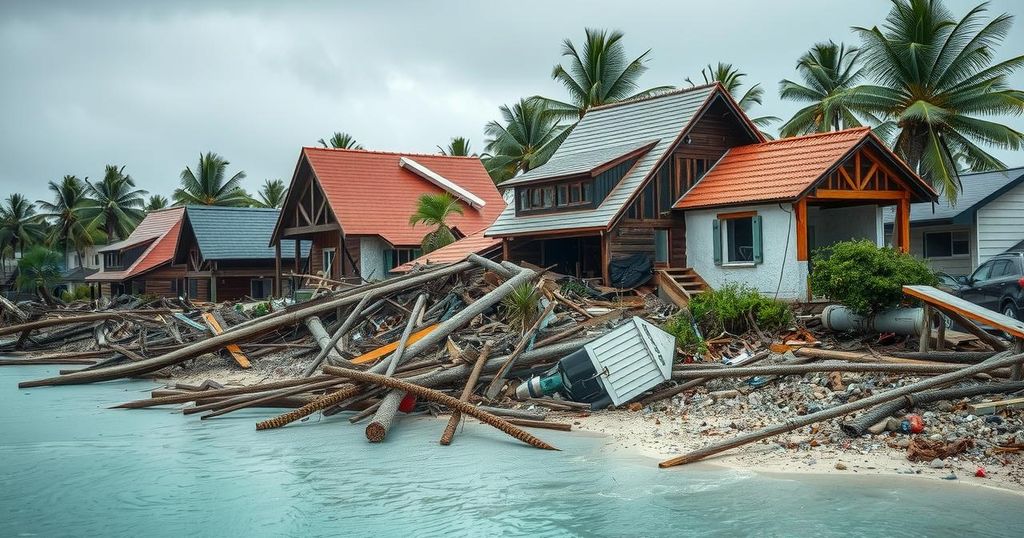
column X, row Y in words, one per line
column 978, row 189
column 237, row 233
column 579, row 162
column 661, row 118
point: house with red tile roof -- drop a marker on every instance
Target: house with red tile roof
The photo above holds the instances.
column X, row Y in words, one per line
column 354, row 207
column 683, row 188
column 143, row 262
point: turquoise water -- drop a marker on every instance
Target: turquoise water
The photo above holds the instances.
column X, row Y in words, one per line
column 72, row 467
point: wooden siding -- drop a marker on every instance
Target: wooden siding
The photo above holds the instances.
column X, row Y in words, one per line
column 607, row 180
column 1000, row 224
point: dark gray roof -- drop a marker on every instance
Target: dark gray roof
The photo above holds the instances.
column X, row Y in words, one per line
column 78, row 274
column 564, row 164
column 978, row 189
column 662, row 118
column 237, row 233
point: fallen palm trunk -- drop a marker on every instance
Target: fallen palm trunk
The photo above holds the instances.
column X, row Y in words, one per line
column 387, row 411
column 242, row 402
column 959, row 357
column 430, row 379
column 343, row 393
column 233, row 391
column 474, row 377
column 70, row 319
column 998, row 361
column 322, row 339
column 672, row 391
column 827, row 366
column 859, row 425
column 854, row 356
column 443, row 399
column 239, row 333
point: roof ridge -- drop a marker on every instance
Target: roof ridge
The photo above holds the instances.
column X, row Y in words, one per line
column 205, row 207
column 677, row 91
column 399, row 153
column 862, row 129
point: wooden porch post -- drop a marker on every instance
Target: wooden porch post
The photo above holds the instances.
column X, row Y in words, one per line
column 800, row 211
column 277, row 268
column 339, row 258
column 506, row 250
column 902, row 224
column 213, row 282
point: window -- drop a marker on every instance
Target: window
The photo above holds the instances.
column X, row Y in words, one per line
column 1002, row 268
column 393, row 257
column 737, row 239
column 660, row 246
column 193, row 288
column 946, row 244
column 261, row 288
column 983, row 272
column 555, row 196
column 96, row 260
column 328, row 262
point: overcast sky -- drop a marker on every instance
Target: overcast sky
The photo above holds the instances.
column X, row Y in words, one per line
column 84, row 84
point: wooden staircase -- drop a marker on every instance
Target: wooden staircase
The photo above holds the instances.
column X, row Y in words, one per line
column 680, row 284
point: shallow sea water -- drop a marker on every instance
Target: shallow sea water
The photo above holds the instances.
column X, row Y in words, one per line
column 71, row 467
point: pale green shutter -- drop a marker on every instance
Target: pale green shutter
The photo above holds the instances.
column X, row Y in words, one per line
column 388, row 260
column 758, row 249
column 716, row 234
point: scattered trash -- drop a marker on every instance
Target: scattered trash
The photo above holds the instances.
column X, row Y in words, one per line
column 912, row 424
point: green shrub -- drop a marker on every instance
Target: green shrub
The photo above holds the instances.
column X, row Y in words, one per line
column 260, row 310
column 574, row 288
column 681, row 326
column 727, row 307
column 866, row 278
column 81, row 293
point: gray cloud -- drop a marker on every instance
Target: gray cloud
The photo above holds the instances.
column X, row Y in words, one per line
column 151, row 85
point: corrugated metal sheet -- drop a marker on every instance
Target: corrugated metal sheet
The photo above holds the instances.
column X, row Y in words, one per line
column 561, row 165
column 977, row 188
column 660, row 118
column 237, row 233
column 632, row 359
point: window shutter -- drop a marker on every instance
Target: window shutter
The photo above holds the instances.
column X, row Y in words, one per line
column 758, row 249
column 716, row 234
column 388, row 256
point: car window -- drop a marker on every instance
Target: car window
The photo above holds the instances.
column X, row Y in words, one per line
column 1001, row 268
column 983, row 272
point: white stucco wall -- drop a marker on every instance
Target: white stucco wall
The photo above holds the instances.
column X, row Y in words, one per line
column 371, row 258
column 1000, row 224
column 780, row 269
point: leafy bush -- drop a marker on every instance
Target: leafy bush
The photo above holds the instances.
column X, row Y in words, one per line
column 727, row 307
column 260, row 310
column 866, row 278
column 81, row 293
column 681, row 326
column 575, row 288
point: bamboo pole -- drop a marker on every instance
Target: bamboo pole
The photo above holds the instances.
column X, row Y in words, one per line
column 474, row 376
column 827, row 366
column 239, row 333
column 443, row 399
column 244, row 401
column 233, row 391
column 560, row 426
column 998, row 361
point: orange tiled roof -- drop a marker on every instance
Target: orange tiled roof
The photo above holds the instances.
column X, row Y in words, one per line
column 770, row 171
column 165, row 226
column 455, row 252
column 370, row 194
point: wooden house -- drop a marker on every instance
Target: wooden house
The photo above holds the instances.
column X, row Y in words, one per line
column 353, row 206
column 143, row 262
column 987, row 219
column 226, row 252
column 685, row 180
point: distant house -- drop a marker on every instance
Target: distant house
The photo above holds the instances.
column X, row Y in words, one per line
column 684, row 180
column 988, row 219
column 354, row 207
column 143, row 262
column 226, row 255
column 80, row 266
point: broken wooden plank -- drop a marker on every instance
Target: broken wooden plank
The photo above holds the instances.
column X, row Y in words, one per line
column 989, row 408
column 233, row 349
column 388, row 348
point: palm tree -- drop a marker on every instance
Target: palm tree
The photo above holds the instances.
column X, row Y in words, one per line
column 933, row 76
column 458, row 147
column 732, row 80
column 828, row 71
column 272, row 194
column 340, row 141
column 525, row 138
column 39, row 270
column 69, row 228
column 157, row 202
column 434, row 210
column 206, row 186
column 115, row 205
column 20, row 226
column 598, row 75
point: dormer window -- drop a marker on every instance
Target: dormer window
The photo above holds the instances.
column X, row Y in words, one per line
column 554, row 197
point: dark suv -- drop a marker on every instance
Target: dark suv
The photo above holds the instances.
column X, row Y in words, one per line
column 997, row 284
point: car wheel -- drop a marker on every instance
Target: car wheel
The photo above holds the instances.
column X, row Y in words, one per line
column 1011, row 312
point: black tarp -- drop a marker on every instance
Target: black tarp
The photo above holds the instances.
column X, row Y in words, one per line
column 630, row 272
